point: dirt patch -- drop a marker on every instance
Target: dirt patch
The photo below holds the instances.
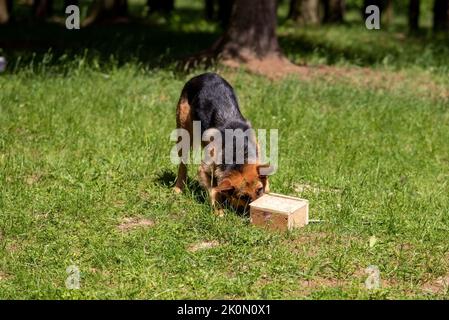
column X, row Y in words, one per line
column 134, row 223
column 119, row 203
column 33, row 179
column 13, row 247
column 100, row 272
column 437, row 286
column 4, row 276
column 381, row 80
column 273, row 67
column 143, row 195
column 203, row 245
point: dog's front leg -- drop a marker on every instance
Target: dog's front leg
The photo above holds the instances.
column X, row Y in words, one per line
column 205, row 179
column 214, row 195
column 181, row 179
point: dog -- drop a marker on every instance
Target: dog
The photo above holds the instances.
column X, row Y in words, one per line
column 210, row 99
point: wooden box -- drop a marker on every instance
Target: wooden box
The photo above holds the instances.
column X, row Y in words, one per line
column 279, row 212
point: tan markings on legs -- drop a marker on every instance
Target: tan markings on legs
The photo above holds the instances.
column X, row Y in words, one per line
column 184, row 121
column 181, row 179
column 205, row 174
column 267, row 186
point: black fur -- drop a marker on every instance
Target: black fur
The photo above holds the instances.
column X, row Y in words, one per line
column 214, row 103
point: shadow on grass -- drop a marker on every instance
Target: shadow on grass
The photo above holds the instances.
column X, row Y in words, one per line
column 153, row 46
column 167, row 179
column 156, row 44
column 366, row 49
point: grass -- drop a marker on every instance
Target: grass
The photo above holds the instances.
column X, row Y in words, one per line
column 84, row 146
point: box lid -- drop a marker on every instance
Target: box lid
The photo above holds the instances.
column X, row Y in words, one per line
column 278, row 203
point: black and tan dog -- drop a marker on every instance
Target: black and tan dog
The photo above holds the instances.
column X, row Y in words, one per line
column 210, row 99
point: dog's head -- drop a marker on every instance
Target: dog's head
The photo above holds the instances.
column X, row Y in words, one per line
column 240, row 187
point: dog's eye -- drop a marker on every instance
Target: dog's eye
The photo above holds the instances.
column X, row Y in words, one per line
column 259, row 191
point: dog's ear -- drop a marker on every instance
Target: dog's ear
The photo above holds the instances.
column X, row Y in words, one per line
column 225, row 186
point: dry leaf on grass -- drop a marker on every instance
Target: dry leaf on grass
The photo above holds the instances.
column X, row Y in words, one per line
column 203, row 245
column 3, row 276
column 32, row 179
column 300, row 188
column 133, row 223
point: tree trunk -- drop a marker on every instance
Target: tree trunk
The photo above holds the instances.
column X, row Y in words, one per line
column 334, row 11
column 441, row 15
column 107, row 10
column 293, row 10
column 413, row 15
column 249, row 41
column 4, row 12
column 42, row 8
column 389, row 12
column 305, row 12
column 251, row 32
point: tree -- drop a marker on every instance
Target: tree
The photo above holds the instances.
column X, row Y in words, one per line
column 107, row 10
column 305, row 12
column 4, row 12
column 251, row 32
column 389, row 12
column 250, row 39
column 413, row 15
column 441, row 15
column 334, row 11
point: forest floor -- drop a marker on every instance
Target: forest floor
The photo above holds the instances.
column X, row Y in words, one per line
column 85, row 172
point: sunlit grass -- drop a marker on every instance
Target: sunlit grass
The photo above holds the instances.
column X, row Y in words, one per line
column 84, row 144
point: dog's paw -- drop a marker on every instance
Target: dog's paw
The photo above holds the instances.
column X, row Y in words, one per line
column 177, row 190
column 219, row 212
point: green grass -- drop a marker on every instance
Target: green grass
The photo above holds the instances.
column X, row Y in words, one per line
column 84, row 144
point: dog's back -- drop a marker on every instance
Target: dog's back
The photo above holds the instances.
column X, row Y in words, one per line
column 214, row 103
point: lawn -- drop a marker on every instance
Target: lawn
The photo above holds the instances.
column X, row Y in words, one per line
column 85, row 171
